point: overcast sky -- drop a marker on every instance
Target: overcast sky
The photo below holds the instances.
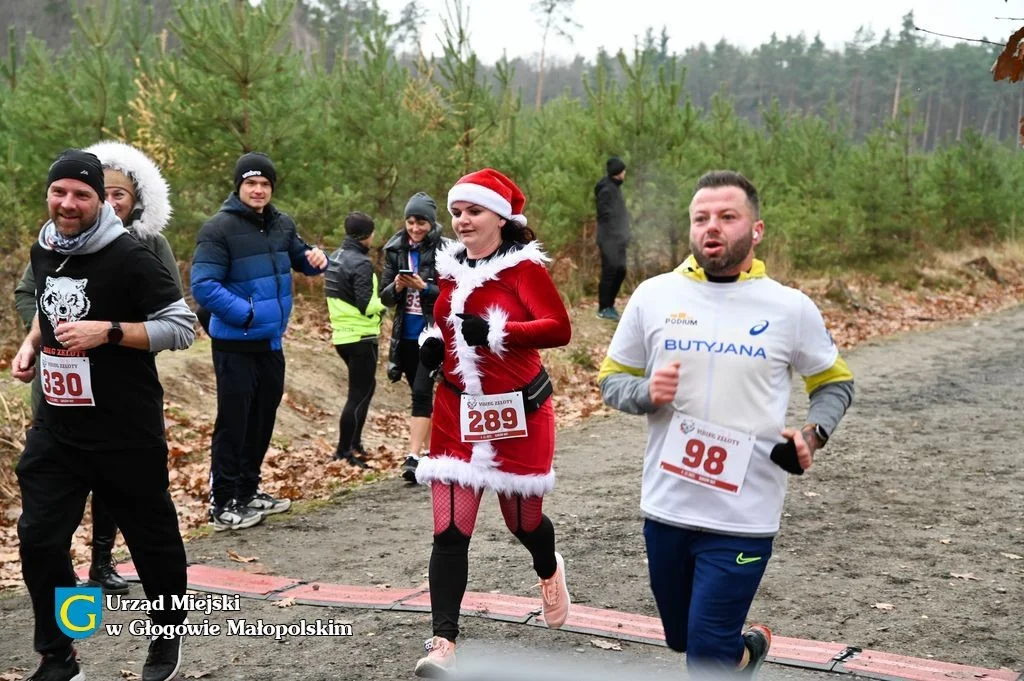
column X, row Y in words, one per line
column 511, row 25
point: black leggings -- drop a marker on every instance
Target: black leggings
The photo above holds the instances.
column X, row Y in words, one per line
column 361, row 360
column 418, row 377
column 455, row 511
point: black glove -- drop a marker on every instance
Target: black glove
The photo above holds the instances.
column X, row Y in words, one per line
column 474, row 329
column 394, row 372
column 432, row 353
column 784, row 456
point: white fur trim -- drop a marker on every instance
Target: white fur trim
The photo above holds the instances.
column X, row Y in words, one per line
column 496, row 319
column 481, row 196
column 153, row 194
column 467, row 279
column 432, row 331
column 520, row 218
column 451, row 470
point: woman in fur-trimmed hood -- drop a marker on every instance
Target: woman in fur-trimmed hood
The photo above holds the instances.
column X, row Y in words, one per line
column 140, row 197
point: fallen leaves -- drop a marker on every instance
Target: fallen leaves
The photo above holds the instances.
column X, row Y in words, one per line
column 1012, row 556
column 233, row 555
column 605, row 645
column 965, row 576
column 884, row 606
column 285, row 602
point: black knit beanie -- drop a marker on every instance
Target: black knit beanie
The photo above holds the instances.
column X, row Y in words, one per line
column 615, row 165
column 358, row 225
column 75, row 164
column 254, row 164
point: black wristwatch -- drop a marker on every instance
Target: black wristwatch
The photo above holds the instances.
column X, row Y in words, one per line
column 115, row 333
column 819, row 432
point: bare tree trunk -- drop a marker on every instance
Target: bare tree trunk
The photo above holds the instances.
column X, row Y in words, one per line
column 896, row 94
column 540, row 78
column 927, row 121
column 853, row 100
column 960, row 119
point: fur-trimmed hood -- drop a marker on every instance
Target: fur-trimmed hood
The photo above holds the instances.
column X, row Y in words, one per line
column 153, row 193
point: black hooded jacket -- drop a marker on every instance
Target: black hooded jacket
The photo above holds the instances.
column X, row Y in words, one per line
column 612, row 217
column 396, row 257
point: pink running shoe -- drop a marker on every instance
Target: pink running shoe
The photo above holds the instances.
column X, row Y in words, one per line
column 555, row 596
column 439, row 660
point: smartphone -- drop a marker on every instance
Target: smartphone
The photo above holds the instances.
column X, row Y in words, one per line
column 407, row 272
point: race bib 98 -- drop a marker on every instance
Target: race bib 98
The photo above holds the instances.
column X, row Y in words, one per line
column 706, row 454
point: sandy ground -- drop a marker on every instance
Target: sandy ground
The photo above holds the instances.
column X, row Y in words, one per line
column 905, row 537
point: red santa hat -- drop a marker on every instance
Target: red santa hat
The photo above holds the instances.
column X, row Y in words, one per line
column 493, row 191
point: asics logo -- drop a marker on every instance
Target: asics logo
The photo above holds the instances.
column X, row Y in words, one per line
column 758, row 329
column 745, row 560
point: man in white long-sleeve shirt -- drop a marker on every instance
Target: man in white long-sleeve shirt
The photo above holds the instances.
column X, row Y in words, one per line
column 706, row 352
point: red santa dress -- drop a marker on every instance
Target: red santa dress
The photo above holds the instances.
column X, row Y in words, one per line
column 515, row 294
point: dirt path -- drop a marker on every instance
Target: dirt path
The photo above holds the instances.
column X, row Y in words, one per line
column 906, row 536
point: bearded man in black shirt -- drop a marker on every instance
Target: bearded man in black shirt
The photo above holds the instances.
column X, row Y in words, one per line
column 105, row 304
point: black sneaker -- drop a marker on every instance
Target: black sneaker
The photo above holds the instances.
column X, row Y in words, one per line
column 164, row 658
column 758, row 640
column 58, row 667
column 350, row 458
column 409, row 468
column 266, row 504
column 234, row 516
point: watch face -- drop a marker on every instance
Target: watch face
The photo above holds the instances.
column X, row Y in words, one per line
column 114, row 335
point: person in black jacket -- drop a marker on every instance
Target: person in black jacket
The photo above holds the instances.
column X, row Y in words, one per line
column 355, row 310
column 612, row 236
column 408, row 284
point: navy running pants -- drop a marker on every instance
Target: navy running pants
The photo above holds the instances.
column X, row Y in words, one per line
column 703, row 584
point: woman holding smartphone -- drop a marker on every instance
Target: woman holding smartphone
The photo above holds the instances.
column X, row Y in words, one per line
column 408, row 284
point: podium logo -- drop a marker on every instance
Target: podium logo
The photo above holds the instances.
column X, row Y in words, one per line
column 78, row 610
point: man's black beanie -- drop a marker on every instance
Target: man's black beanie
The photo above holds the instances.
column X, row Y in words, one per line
column 615, row 165
column 76, row 164
column 254, row 164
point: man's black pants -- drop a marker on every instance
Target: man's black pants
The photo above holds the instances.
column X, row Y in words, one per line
column 55, row 480
column 613, row 272
column 249, row 390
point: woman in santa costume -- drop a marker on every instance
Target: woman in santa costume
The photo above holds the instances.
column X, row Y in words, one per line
column 494, row 424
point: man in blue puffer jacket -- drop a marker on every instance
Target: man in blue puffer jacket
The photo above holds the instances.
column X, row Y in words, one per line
column 241, row 274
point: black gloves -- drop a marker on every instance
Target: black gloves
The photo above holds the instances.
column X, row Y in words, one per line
column 474, row 329
column 432, row 353
column 784, row 456
column 394, row 372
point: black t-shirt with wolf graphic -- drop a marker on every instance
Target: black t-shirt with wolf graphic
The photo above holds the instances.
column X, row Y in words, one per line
column 108, row 397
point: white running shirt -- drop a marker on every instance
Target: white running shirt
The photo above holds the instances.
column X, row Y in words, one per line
column 737, row 343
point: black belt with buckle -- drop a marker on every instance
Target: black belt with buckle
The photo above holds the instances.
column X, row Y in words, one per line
column 535, row 393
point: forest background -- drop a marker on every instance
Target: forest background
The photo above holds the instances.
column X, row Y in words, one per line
column 871, row 158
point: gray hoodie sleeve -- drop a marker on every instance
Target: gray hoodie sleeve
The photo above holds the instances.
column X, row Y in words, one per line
column 828, row 404
column 628, row 393
column 171, row 328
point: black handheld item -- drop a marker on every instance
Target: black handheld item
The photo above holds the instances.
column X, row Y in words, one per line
column 784, row 456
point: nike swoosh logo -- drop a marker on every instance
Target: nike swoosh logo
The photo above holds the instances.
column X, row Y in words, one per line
column 742, row 560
